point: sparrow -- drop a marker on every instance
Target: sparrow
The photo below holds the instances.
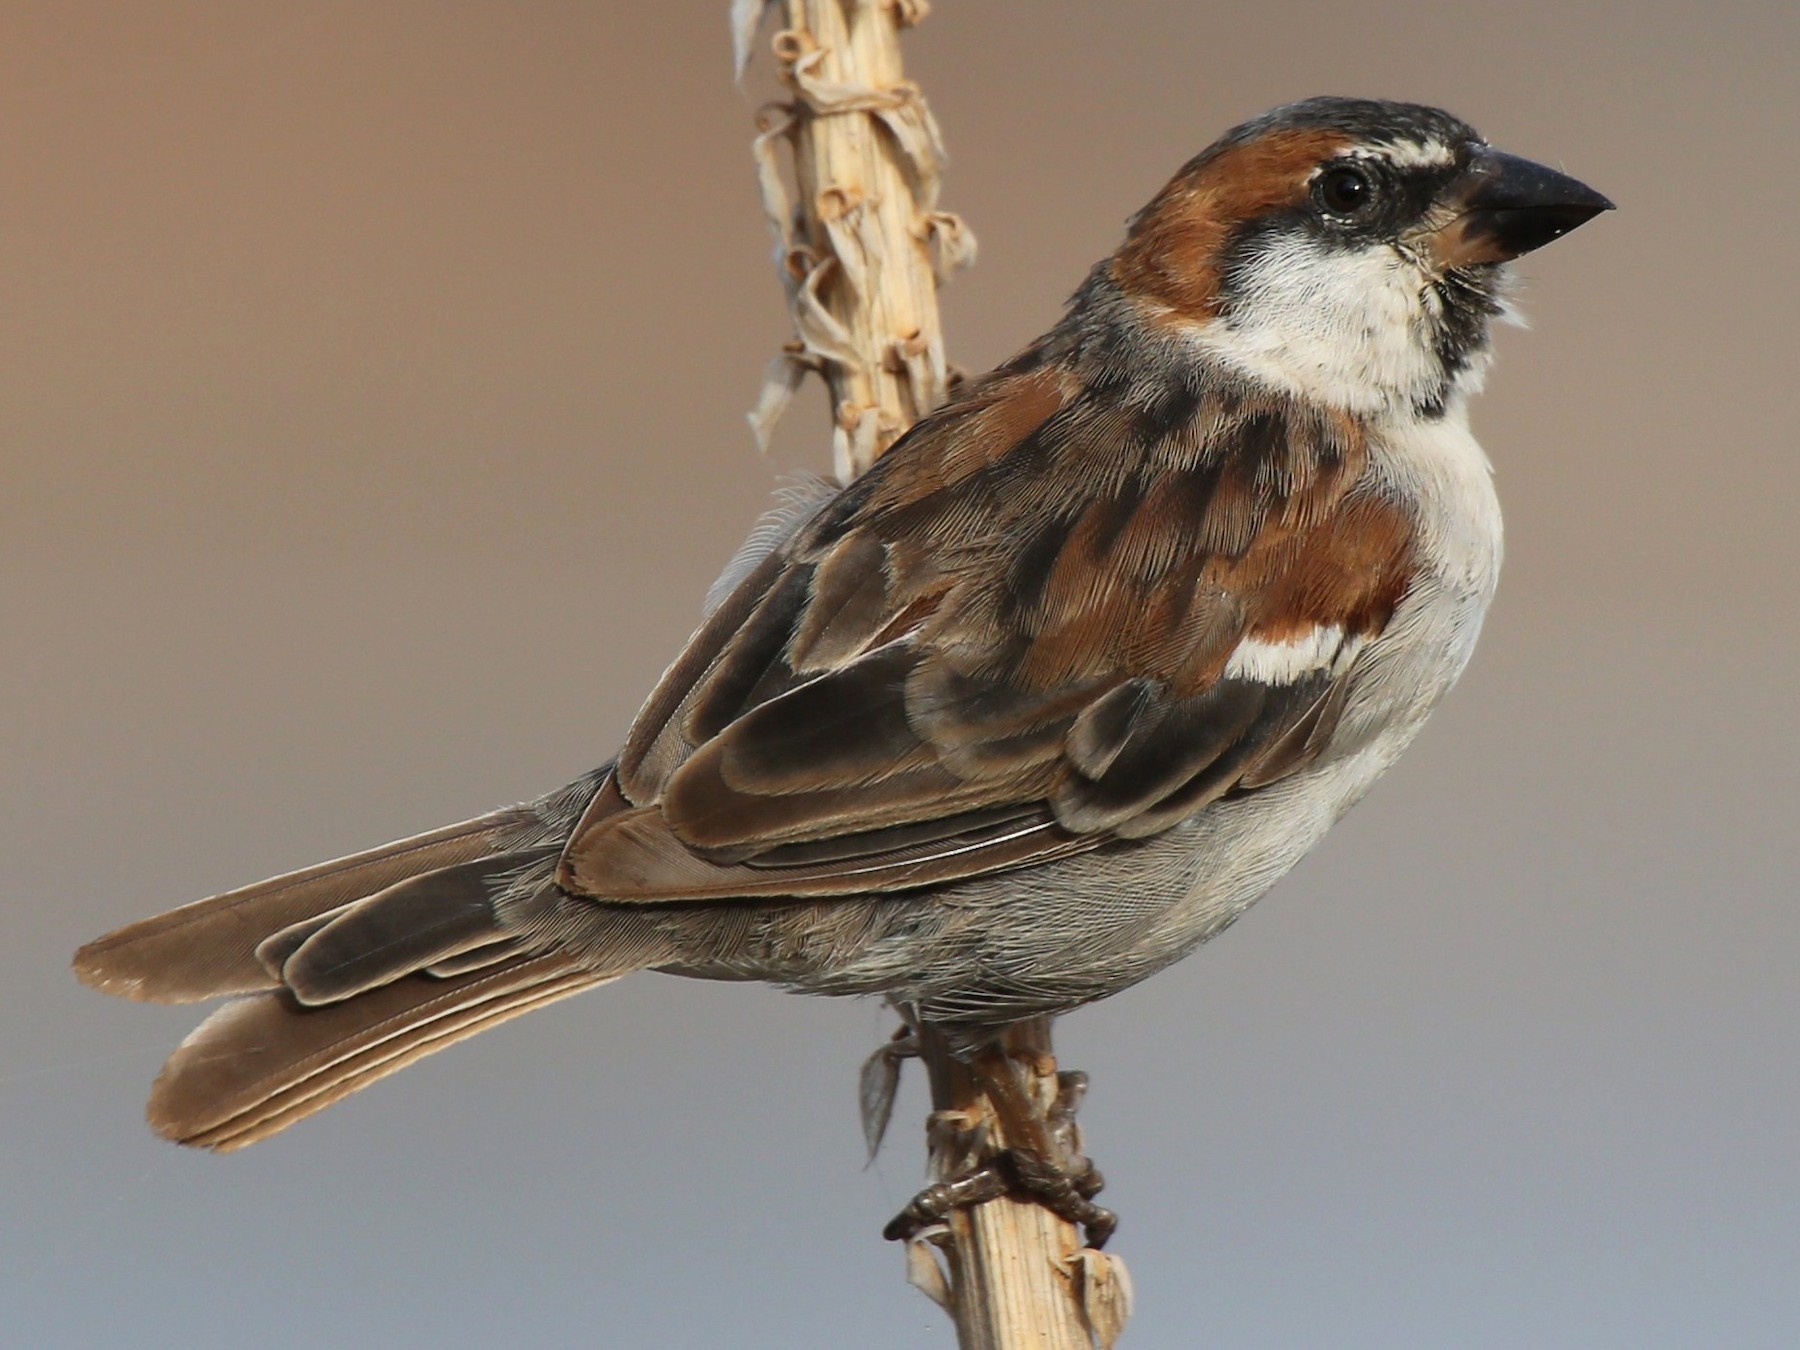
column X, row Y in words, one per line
column 1033, row 708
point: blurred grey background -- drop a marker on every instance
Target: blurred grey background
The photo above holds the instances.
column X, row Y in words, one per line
column 372, row 378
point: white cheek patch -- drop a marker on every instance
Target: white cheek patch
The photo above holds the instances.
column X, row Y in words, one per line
column 1349, row 329
column 1323, row 649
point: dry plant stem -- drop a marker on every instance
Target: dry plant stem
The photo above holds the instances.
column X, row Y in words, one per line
column 863, row 248
column 1014, row 1269
column 866, row 246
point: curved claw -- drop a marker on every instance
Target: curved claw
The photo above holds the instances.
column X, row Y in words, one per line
column 1065, row 1194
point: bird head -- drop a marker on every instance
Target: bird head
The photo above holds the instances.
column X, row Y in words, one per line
column 1350, row 252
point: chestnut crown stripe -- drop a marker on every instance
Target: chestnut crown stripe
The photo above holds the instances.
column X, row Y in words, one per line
column 1007, row 642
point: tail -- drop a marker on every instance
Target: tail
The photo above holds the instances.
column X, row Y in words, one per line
column 208, row 948
column 259, row 1064
column 351, row 970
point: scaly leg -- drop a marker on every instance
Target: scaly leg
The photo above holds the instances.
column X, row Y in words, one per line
column 1060, row 1179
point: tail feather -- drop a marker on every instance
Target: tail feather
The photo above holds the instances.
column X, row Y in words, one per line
column 272, row 952
column 260, row 1064
column 405, row 928
column 477, row 958
column 208, row 949
column 352, row 970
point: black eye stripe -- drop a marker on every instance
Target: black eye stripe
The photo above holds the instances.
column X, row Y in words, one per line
column 1359, row 193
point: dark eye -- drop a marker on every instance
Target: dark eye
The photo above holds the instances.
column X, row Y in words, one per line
column 1345, row 191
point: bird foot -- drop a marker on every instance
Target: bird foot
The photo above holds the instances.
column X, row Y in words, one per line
column 1042, row 1162
column 1067, row 1193
column 934, row 1204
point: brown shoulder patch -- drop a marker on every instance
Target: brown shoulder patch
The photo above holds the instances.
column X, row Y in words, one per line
column 1349, row 569
column 967, row 436
column 1172, row 252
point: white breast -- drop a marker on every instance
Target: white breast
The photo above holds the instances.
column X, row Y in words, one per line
column 1436, row 468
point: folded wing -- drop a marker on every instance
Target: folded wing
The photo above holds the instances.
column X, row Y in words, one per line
column 1055, row 615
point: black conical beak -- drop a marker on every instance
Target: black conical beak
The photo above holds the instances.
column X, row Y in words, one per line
column 1508, row 206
